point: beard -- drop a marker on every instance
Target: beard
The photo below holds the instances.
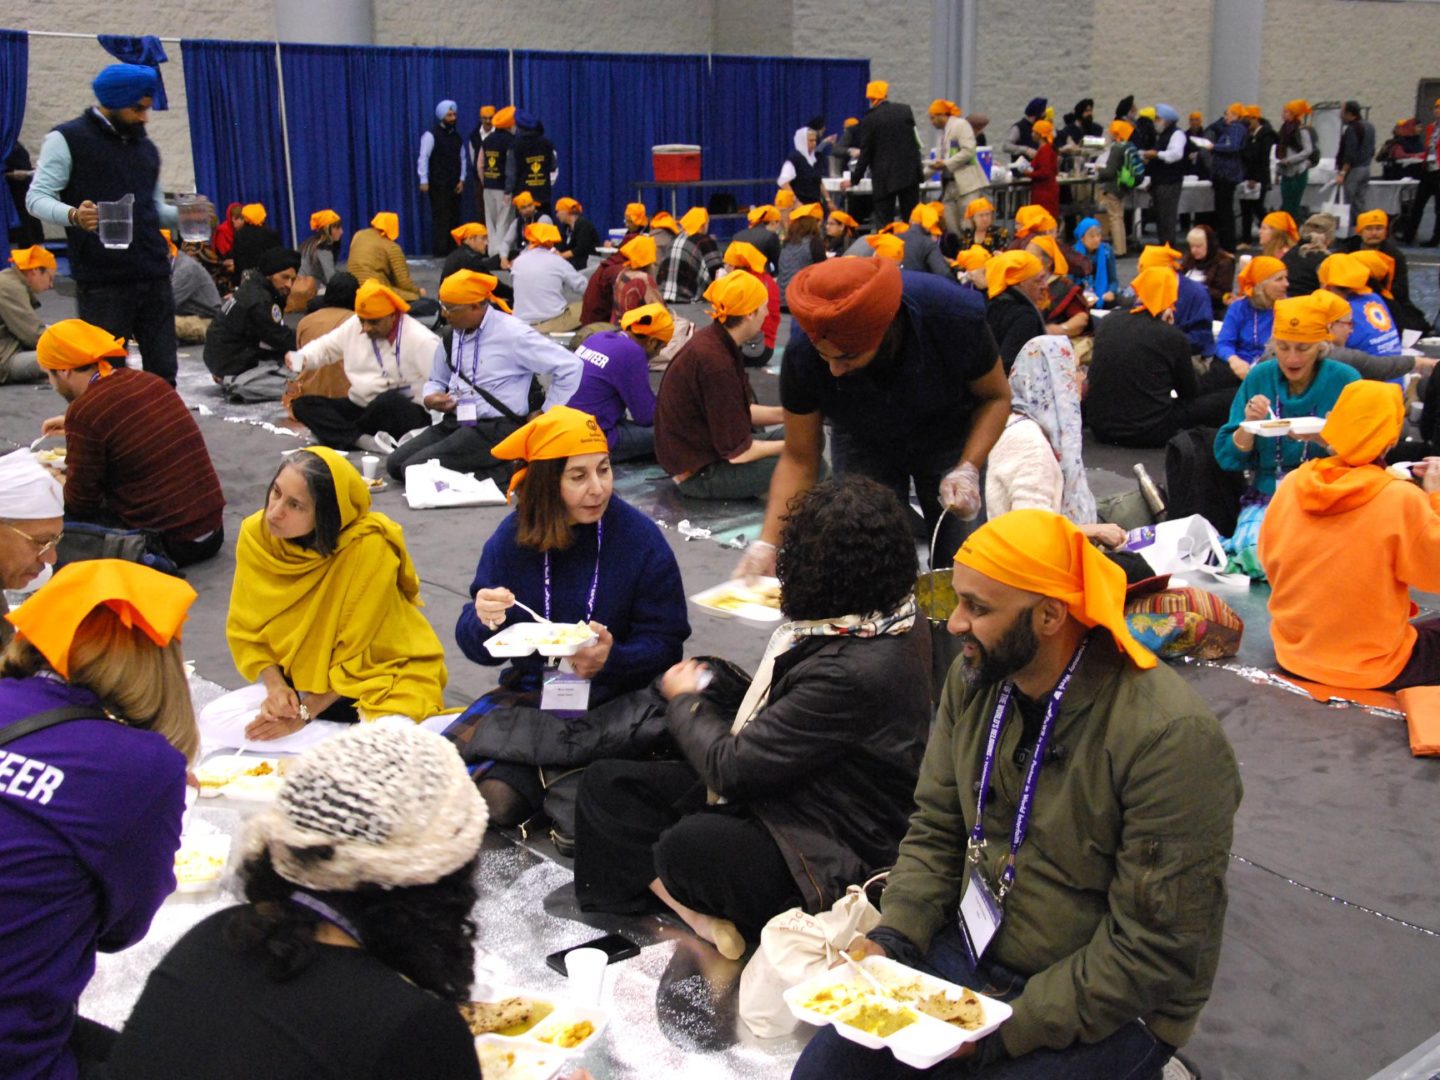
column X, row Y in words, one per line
column 1015, row 649
column 127, row 130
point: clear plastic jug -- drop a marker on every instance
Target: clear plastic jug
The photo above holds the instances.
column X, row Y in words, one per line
column 117, row 222
column 194, row 214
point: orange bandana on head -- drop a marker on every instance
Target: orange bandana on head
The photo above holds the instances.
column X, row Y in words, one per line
column 1043, row 130
column 559, row 432
column 844, row 219
column 253, row 213
column 887, row 247
column 169, row 244
column 746, row 257
column 1372, row 217
column 1257, row 271
column 523, row 201
column 639, row 253
column 469, row 229
column 650, row 320
column 895, row 228
column 1159, row 255
column 1366, row 421
column 1283, row 222
column 567, row 206
column 663, row 220
column 1010, row 268
column 323, row 219
column 972, row 258
column 941, row 107
column 387, row 225
column 1335, row 309
column 636, row 215
column 1041, row 552
column 695, row 220
column 762, row 215
column 1033, row 219
column 784, row 200
column 877, row 90
column 1157, row 289
column 1379, row 267
column 1121, row 130
column 737, row 293
column 1301, row 319
column 467, row 287
column 142, row 598
column 542, row 235
column 1058, row 263
column 979, row 206
column 848, row 303
column 925, row 216
column 34, row 258
column 74, row 343
column 376, row 301
column 810, row 210
column 504, row 118
column 1344, row 271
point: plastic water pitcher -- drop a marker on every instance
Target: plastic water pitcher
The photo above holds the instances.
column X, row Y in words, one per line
column 117, row 222
column 194, row 214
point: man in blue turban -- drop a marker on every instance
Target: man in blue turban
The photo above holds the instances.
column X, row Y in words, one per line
column 442, row 168
column 104, row 156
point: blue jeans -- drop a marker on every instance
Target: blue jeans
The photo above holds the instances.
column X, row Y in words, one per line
column 1131, row 1053
column 630, row 441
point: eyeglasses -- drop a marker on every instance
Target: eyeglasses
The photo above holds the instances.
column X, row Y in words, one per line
column 42, row 547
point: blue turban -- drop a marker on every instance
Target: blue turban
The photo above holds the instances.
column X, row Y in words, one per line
column 120, row 86
column 1086, row 224
column 1166, row 112
column 1036, row 106
column 443, row 108
column 524, row 119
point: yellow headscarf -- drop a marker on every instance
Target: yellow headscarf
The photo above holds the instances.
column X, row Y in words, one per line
column 568, row 205
column 1043, row 130
column 1121, row 130
column 523, row 201
column 34, row 258
column 323, row 219
column 978, row 206
column 1379, row 266
column 1157, row 289
column 1371, row 217
column 695, row 220
column 542, row 235
column 1041, row 552
column 844, row 219
column 663, row 220
column 1344, row 271
column 348, row 622
column 1010, row 268
column 559, row 432
column 253, row 213
column 1257, row 271
column 784, row 200
column 1279, row 219
column 746, row 257
column 737, row 293
column 1302, row 319
column 650, row 320
column 1033, row 219
column 762, row 214
column 1367, row 420
column 387, row 224
column 636, row 216
column 877, row 90
column 925, row 216
column 462, row 233
column 972, row 258
column 1299, row 108
column 810, row 210
column 887, row 246
column 375, row 301
column 469, row 287
column 639, row 253
column 1159, row 255
column 1058, row 263
column 74, row 343
column 941, row 107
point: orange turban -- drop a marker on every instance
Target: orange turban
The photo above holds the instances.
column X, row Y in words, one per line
column 1298, row 108
column 1041, row 552
column 323, row 219
column 941, row 107
column 1366, row 421
column 1301, row 319
column 567, row 205
column 467, row 287
column 169, row 244
column 1033, row 219
column 844, row 219
column 847, row 303
column 877, row 90
column 253, row 213
column 74, row 343
column 1043, row 130
column 1121, row 130
column 851, row 121
column 972, row 258
column 636, row 216
column 375, row 301
column 1372, row 217
column 1252, row 112
column 487, row 112
column 1259, row 269
column 1010, row 268
column 810, row 210
column 650, row 320
column 737, row 293
column 466, row 231
column 895, row 228
column 1159, row 255
column 33, row 258
column 523, row 201
column 746, row 257
column 559, row 432
column 1344, row 271
column 1197, row 118
column 1157, row 289
column 542, row 234
column 1380, row 267
column 1058, row 263
column 387, row 225
column 887, row 246
column 784, row 200
column 1236, row 107
column 663, row 220
column 762, row 214
column 140, row 597
column 978, row 206
column 1334, row 307
column 504, row 118
column 639, row 253
column 925, row 216
column 1283, row 222
column 695, row 220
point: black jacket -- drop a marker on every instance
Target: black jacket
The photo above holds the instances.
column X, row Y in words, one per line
column 766, row 241
column 888, row 150
column 829, row 765
column 249, row 330
column 1407, row 315
column 1255, row 156
column 582, row 240
column 1014, row 320
column 1137, row 362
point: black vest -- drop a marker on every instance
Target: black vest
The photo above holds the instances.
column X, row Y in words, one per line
column 106, row 166
column 534, row 162
column 1165, row 172
column 493, row 149
column 445, row 157
column 1025, row 132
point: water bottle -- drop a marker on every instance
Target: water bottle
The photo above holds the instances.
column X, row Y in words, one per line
column 1150, row 492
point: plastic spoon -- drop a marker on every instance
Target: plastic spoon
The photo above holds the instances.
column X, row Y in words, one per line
column 538, row 617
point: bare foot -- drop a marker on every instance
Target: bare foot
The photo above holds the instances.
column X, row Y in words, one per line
column 721, row 933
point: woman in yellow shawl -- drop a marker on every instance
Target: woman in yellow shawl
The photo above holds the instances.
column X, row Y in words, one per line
column 324, row 613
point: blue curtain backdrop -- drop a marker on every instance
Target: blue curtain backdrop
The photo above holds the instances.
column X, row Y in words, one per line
column 14, row 75
column 235, row 133
column 356, row 114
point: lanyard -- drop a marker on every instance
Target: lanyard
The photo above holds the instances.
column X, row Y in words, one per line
column 474, row 375
column 1032, row 774
column 1280, row 443
column 317, row 906
column 594, row 580
column 399, row 332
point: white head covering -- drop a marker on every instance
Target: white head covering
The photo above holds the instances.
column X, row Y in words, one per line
column 27, row 491
column 1045, row 386
column 802, row 143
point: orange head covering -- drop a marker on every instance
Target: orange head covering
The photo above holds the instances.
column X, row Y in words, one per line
column 941, row 107
column 887, row 246
column 74, row 343
column 34, row 258
column 1236, row 107
column 387, row 225
column 663, row 220
column 1159, row 255
column 1344, row 271
column 972, row 258
column 695, row 220
column 649, row 320
column 375, row 301
column 523, row 201
column 844, row 219
column 1366, row 421
column 558, row 432
column 1033, row 219
column 1196, row 118
column 1283, row 222
column 737, row 293
column 468, row 287
column 1041, row 552
column 1379, row 266
column 784, row 200
column 639, row 253
column 504, row 118
column 978, row 206
column 141, row 598
column 851, row 121
column 466, row 231
column 1372, row 217
column 1335, row 308
column 761, row 215
column 925, row 216
column 1043, row 130
column 877, row 90
column 487, row 112
column 1157, row 289
column 1258, row 270
column 746, row 257
column 1058, row 263
column 1252, row 112
column 1010, row 268
column 323, row 219
column 1302, row 319
column 169, row 244
column 253, row 213
column 848, row 303
column 1299, row 108
column 1121, row 130
column 810, row 210
column 636, row 215
column 568, row 205
column 895, row 228
column 542, row 234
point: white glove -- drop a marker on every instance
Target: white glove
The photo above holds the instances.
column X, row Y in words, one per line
column 758, row 561
column 960, row 491
column 294, row 362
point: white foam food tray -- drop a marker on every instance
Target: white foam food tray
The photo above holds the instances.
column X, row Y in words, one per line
column 758, row 602
column 548, row 639
column 1273, row 429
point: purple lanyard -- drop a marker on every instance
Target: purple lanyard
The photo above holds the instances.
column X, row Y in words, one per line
column 318, row 907
column 399, row 332
column 594, row 580
column 474, row 375
column 1032, row 775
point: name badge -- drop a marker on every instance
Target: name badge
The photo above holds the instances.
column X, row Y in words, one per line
column 466, row 412
column 980, row 915
column 565, row 692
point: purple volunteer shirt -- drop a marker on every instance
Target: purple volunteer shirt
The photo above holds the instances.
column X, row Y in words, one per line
column 89, row 824
column 616, row 377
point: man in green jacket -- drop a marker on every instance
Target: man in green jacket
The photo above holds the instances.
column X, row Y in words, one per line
column 33, row 273
column 1103, row 927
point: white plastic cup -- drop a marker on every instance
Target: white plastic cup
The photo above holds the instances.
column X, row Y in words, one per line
column 370, row 466
column 585, row 968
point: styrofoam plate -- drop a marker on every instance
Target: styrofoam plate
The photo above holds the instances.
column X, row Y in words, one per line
column 1273, row 429
column 548, row 639
column 736, row 599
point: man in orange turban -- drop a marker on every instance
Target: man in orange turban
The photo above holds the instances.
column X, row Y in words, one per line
column 692, row 261
column 32, row 272
column 887, row 140
column 472, row 252
column 1373, row 239
column 1016, row 283
column 1047, row 662
column 907, row 375
column 955, row 157
column 489, row 157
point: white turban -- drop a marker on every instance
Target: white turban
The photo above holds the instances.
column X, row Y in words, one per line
column 27, row 491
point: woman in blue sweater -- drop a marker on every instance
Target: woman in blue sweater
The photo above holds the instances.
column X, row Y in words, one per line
column 574, row 553
column 1251, row 317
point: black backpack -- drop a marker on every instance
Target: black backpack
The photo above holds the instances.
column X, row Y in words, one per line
column 1195, row 483
column 1314, row 145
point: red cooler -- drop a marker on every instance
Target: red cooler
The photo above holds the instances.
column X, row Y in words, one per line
column 676, row 163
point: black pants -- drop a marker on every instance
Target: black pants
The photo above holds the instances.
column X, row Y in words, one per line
column 444, row 216
column 189, row 552
column 463, row 449
column 1252, row 211
column 1429, row 189
column 1423, row 667
column 1224, row 213
column 91, row 1043
column 339, row 422
column 143, row 310
column 1165, row 198
column 636, row 821
column 895, row 206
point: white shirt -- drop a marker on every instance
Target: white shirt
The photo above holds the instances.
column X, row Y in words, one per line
column 372, row 366
column 541, row 277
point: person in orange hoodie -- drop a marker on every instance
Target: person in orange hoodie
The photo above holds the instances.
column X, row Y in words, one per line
column 1352, row 629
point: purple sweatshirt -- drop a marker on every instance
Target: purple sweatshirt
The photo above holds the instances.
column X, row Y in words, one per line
column 89, row 824
column 616, row 378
